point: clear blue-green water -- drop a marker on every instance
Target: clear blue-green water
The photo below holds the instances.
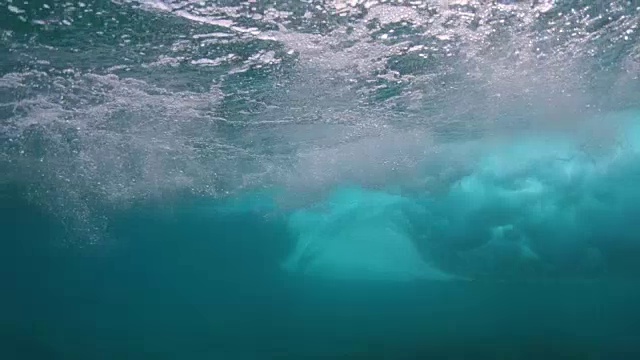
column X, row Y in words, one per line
column 319, row 179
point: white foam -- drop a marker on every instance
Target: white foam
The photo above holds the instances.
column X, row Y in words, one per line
column 361, row 235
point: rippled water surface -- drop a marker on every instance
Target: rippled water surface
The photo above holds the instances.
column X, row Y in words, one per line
column 360, row 179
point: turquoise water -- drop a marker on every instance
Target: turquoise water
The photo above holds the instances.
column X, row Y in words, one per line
column 319, row 179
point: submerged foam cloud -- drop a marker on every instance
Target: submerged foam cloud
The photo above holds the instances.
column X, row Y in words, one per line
column 535, row 206
column 359, row 234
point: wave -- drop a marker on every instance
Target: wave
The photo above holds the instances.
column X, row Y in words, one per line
column 501, row 126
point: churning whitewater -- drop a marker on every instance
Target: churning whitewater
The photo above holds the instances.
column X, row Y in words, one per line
column 361, row 179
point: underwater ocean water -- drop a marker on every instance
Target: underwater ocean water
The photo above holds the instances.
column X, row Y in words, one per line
column 319, row 179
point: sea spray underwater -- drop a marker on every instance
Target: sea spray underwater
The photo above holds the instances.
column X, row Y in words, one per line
column 539, row 207
column 319, row 179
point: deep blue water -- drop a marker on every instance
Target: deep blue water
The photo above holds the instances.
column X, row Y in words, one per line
column 319, row 180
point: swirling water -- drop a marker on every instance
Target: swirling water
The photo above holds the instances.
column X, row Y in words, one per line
column 370, row 179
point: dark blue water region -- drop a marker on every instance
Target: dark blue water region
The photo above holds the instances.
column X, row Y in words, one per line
column 165, row 290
